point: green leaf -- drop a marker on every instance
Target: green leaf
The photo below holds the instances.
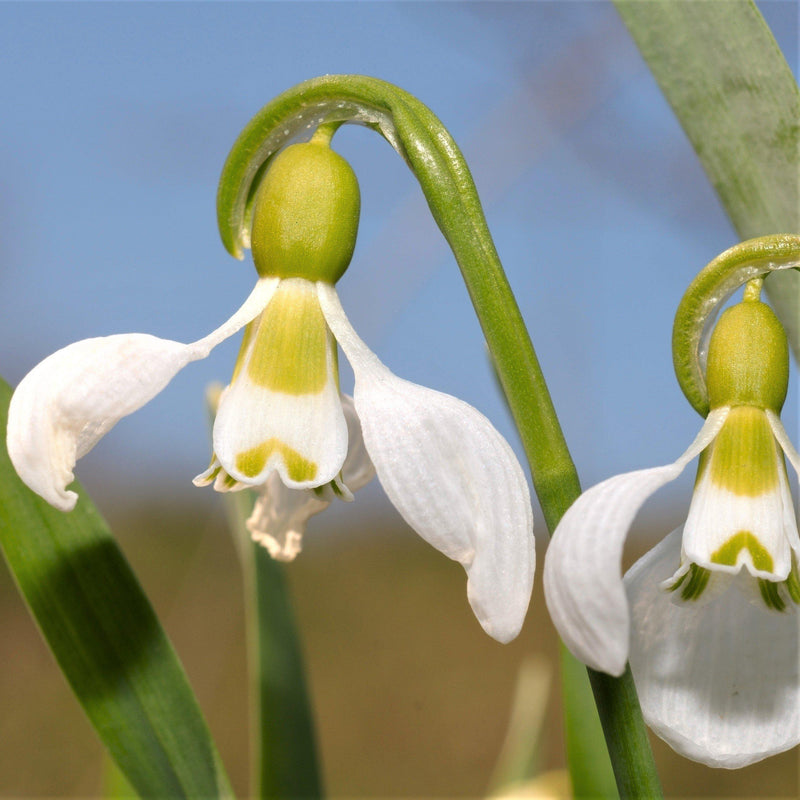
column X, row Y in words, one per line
column 587, row 755
column 284, row 743
column 735, row 96
column 107, row 640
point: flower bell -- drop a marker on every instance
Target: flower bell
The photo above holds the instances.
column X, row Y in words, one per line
column 282, row 424
column 708, row 618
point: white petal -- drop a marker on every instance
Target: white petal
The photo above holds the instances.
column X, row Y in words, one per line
column 279, row 517
column 258, row 428
column 65, row 404
column 783, row 440
column 582, row 569
column 717, row 515
column 790, row 521
column 720, row 682
column 451, row 475
column 358, row 469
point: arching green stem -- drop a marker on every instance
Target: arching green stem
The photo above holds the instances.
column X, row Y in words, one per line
column 424, row 143
column 705, row 296
column 429, row 150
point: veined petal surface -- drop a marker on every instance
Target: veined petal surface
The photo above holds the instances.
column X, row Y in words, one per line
column 720, row 681
column 65, row 404
column 280, row 514
column 282, row 410
column 451, row 476
column 582, row 569
column 738, row 514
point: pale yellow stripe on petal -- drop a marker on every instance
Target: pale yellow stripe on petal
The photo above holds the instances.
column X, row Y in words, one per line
column 290, row 351
column 745, row 459
column 728, row 553
column 252, row 462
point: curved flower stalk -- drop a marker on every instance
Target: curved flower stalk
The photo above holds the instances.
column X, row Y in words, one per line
column 282, row 423
column 709, row 617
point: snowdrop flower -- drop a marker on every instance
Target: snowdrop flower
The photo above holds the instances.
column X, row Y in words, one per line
column 282, row 423
column 708, row 618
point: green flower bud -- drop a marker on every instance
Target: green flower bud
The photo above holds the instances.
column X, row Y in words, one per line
column 305, row 215
column 748, row 358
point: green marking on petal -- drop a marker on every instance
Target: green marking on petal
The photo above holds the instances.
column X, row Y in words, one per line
column 770, row 595
column 290, row 352
column 693, row 581
column 793, row 584
column 252, row 461
column 698, row 580
column 744, row 458
column 728, row 553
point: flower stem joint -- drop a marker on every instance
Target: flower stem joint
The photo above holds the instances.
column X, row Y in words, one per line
column 305, row 215
column 748, row 358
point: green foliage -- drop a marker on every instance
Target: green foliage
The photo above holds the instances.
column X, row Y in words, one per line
column 735, row 96
column 107, row 640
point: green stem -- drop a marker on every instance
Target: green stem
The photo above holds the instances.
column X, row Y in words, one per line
column 285, row 762
column 421, row 139
column 626, row 735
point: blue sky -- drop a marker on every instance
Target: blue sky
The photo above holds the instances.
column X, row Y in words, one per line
column 119, row 117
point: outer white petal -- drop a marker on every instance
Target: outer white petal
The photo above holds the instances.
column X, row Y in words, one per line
column 720, row 682
column 582, row 569
column 451, row 475
column 358, row 469
column 252, row 416
column 790, row 521
column 65, row 404
column 279, row 517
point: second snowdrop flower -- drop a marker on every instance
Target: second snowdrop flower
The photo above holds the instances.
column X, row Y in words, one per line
column 708, row 617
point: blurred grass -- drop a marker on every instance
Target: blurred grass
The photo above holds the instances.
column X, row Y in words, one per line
column 411, row 698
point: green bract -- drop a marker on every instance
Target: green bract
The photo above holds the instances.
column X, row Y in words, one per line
column 305, row 215
column 748, row 358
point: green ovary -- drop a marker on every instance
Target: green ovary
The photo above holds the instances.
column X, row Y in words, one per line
column 728, row 553
column 290, row 351
column 744, row 458
column 252, row 462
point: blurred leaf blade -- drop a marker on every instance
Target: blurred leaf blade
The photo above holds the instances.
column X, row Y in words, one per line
column 738, row 101
column 107, row 640
column 587, row 755
column 286, row 762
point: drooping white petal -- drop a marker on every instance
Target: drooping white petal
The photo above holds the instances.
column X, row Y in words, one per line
column 65, row 404
column 790, row 520
column 452, row 477
column 282, row 410
column 720, row 681
column 582, row 570
column 783, row 439
column 280, row 514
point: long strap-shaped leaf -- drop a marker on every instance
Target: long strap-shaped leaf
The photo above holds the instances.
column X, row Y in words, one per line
column 107, row 640
column 735, row 96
